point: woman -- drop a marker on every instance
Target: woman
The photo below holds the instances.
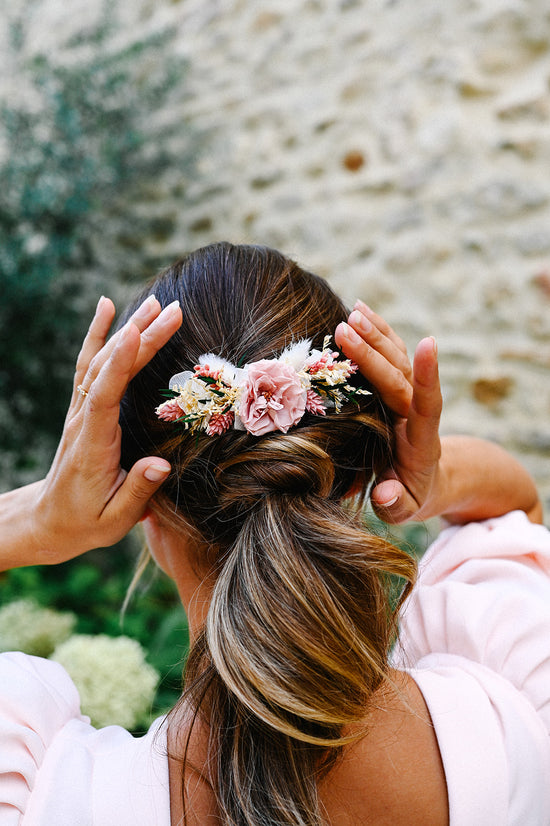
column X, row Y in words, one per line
column 244, row 473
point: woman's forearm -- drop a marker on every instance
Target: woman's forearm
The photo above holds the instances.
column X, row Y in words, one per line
column 479, row 479
column 17, row 536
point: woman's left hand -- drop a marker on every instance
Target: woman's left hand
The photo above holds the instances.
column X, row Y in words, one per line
column 87, row 500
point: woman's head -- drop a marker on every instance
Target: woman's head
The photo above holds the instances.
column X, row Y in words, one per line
column 299, row 623
column 244, row 304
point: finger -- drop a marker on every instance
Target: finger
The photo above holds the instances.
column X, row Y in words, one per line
column 389, row 380
column 157, row 334
column 370, row 333
column 95, row 340
column 426, row 404
column 381, row 324
column 391, row 502
column 129, row 503
column 101, row 411
column 95, row 337
column 131, row 352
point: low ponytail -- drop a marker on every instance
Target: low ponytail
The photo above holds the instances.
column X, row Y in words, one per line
column 296, row 637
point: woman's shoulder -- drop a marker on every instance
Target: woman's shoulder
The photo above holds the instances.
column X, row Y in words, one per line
column 37, row 693
column 379, row 774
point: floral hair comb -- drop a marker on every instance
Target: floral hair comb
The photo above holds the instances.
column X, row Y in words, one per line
column 266, row 395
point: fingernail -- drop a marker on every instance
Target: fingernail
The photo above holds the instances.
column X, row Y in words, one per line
column 145, row 308
column 434, row 344
column 350, row 334
column 99, row 304
column 170, row 309
column 343, row 329
column 389, row 503
column 359, row 320
column 154, row 473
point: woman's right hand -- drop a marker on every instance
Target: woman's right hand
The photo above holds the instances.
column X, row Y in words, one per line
column 410, row 488
column 87, row 500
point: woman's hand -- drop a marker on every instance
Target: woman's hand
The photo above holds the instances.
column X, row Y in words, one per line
column 460, row 477
column 409, row 489
column 87, row 500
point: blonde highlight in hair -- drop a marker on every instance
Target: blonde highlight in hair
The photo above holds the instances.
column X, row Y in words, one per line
column 299, row 625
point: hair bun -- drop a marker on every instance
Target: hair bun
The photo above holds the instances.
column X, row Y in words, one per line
column 289, row 464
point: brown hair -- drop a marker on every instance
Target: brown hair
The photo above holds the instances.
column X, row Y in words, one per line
column 298, row 629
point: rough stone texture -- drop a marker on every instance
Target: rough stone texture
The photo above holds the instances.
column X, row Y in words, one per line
column 400, row 149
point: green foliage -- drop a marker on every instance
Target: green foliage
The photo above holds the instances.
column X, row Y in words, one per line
column 80, row 153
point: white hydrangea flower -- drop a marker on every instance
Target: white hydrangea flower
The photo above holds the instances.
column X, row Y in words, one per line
column 115, row 683
column 26, row 626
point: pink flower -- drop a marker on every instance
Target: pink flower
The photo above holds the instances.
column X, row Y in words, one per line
column 314, row 404
column 169, row 411
column 219, row 423
column 273, row 397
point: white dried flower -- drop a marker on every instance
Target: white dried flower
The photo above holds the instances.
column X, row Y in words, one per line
column 26, row 626
column 115, row 683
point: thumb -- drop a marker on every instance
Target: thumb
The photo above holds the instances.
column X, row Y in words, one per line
column 391, row 502
column 142, row 481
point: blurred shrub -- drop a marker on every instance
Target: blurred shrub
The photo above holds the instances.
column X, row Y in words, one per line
column 25, row 626
column 115, row 683
column 84, row 157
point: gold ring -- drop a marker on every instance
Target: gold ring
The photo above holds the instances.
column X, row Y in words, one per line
column 81, row 390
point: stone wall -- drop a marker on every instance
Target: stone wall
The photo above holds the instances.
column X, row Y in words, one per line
column 402, row 150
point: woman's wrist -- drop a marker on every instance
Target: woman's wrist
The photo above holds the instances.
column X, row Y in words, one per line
column 20, row 544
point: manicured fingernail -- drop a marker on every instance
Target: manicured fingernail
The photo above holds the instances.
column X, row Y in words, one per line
column 349, row 333
column 343, row 329
column 359, row 320
column 123, row 335
column 154, row 473
column 99, row 304
column 171, row 309
column 144, row 310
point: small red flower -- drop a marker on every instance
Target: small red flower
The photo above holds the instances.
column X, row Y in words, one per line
column 169, row 411
column 219, row 423
column 314, row 404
